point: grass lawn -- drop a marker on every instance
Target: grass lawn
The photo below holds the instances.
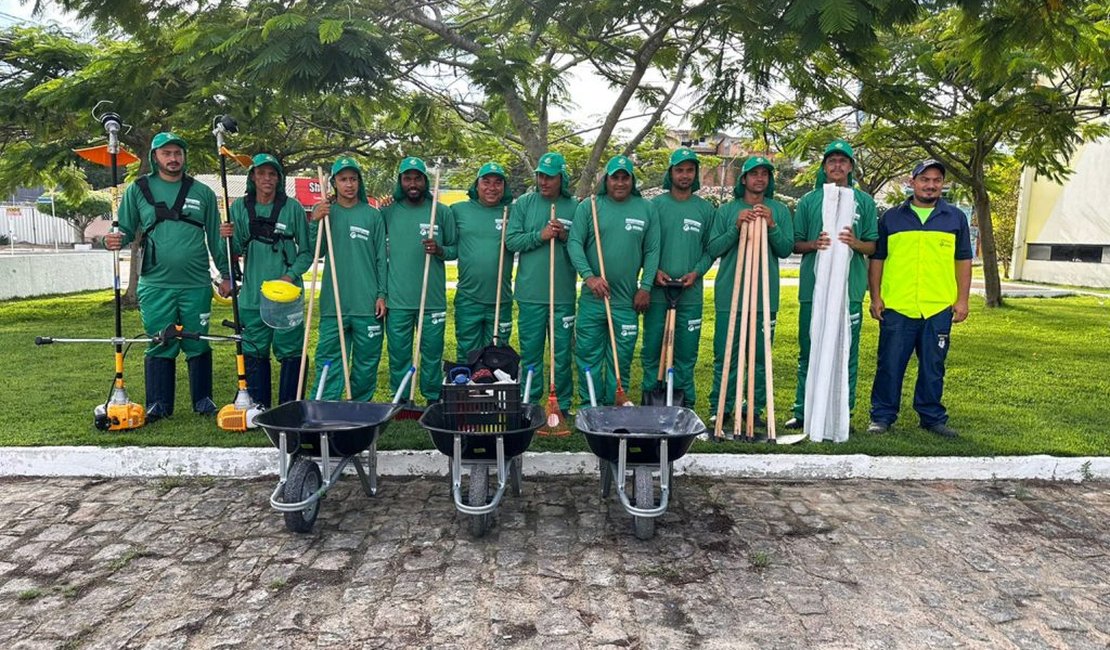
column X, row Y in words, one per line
column 1028, row 378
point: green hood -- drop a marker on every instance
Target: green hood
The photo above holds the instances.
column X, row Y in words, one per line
column 161, row 140
column 497, row 170
column 750, row 164
column 346, row 162
column 616, row 164
column 836, row 146
column 265, row 159
column 679, row 156
column 552, row 163
column 408, row 164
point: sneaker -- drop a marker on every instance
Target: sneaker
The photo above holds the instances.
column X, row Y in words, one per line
column 794, row 423
column 713, row 418
column 942, row 430
column 877, row 428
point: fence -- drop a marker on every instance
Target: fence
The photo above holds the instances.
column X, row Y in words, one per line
column 28, row 224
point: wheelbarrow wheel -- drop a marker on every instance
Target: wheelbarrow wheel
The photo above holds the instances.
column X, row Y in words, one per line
column 479, row 492
column 606, row 469
column 645, row 498
column 304, row 481
column 516, row 475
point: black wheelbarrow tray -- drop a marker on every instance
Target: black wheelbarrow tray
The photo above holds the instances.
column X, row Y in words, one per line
column 307, row 430
column 643, row 439
column 482, row 441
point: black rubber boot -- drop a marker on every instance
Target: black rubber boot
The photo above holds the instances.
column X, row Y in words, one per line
column 287, row 381
column 200, row 383
column 161, row 383
column 259, row 384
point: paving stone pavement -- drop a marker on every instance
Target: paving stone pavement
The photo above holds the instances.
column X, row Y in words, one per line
column 198, row 563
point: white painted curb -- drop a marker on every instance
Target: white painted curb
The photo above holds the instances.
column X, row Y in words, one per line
column 252, row 462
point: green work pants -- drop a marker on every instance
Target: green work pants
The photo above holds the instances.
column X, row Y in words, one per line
column 686, row 342
column 189, row 308
column 400, row 327
column 594, row 350
column 363, row 337
column 474, row 326
column 259, row 338
column 532, row 323
column 855, row 321
column 720, row 334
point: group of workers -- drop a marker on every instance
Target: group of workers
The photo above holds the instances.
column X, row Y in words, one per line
column 626, row 250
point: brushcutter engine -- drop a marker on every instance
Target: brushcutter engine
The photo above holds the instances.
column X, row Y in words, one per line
column 119, row 413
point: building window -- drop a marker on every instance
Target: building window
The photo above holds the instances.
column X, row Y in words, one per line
column 1090, row 254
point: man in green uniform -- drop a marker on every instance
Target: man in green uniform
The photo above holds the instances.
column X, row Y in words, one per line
column 408, row 223
column 810, row 237
column 273, row 236
column 479, row 222
column 753, row 200
column 178, row 223
column 685, row 221
column 531, row 230
column 360, row 268
column 629, row 230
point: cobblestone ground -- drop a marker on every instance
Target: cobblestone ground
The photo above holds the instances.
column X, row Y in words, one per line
column 192, row 563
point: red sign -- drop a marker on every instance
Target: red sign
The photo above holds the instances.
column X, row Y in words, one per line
column 308, row 192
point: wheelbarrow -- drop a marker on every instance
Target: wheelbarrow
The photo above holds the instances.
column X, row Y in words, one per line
column 305, row 431
column 640, row 441
column 483, row 427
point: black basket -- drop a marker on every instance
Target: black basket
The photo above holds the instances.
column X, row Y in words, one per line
column 482, row 408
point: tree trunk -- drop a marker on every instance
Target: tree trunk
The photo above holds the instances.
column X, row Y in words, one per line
column 982, row 202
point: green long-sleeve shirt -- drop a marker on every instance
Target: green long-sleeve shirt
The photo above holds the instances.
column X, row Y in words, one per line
column 408, row 226
column 479, row 248
column 175, row 253
column 684, row 231
column 360, row 260
column 629, row 240
column 808, row 224
column 284, row 256
column 529, row 216
column 726, row 237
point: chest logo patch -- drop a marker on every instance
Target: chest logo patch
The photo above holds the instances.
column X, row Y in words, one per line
column 634, row 225
column 691, row 225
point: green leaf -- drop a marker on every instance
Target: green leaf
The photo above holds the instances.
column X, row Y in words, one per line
column 331, row 30
column 837, row 16
column 282, row 23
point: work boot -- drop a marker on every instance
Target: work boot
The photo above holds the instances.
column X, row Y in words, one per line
column 942, row 429
column 161, row 383
column 877, row 428
column 200, row 383
column 258, row 380
column 287, row 380
column 794, row 423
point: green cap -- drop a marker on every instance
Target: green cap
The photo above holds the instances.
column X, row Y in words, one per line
column 495, row 169
column 408, row 164
column 552, row 163
column 750, row 164
column 618, row 164
column 681, row 155
column 347, row 162
column 836, row 146
column 162, row 139
column 265, row 159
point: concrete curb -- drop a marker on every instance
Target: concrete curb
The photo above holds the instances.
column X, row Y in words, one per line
column 253, row 462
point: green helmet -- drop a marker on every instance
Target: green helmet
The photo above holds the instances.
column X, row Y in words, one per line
column 408, row 164
column 841, row 147
column 616, row 164
column 497, row 170
column 162, row 139
column 750, row 164
column 681, row 155
column 265, row 159
column 347, row 162
column 552, row 163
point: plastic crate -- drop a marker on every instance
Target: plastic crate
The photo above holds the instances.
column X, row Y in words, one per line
column 488, row 408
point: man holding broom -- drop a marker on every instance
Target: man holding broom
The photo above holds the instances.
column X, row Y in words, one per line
column 753, row 201
column 360, row 269
column 809, row 238
column 273, row 236
column 408, row 222
column 178, row 222
column 538, row 228
column 614, row 246
column 684, row 229
column 480, row 222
